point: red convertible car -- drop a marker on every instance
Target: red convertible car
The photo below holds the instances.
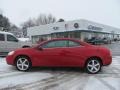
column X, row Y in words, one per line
column 62, row 52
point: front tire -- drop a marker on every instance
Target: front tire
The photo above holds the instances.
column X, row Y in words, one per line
column 23, row 63
column 93, row 66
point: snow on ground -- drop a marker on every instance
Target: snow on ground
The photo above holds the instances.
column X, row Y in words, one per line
column 24, row 39
column 49, row 79
column 10, row 76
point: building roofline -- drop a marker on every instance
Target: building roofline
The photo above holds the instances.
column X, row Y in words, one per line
column 85, row 20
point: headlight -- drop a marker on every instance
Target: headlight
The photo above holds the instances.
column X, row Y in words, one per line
column 11, row 53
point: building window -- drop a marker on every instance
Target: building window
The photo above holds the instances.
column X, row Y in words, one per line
column 76, row 34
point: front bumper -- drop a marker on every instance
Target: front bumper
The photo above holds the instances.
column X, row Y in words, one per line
column 10, row 60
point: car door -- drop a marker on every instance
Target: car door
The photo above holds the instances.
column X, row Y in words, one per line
column 73, row 54
column 2, row 43
column 11, row 43
column 51, row 53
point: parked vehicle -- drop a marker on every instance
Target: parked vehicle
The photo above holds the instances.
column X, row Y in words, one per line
column 8, row 42
column 107, row 40
column 95, row 41
column 62, row 52
column 115, row 39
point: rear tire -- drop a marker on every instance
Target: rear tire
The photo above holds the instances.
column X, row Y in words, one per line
column 93, row 66
column 23, row 63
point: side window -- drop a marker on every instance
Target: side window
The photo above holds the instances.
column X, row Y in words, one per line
column 2, row 37
column 73, row 44
column 49, row 45
column 11, row 38
column 60, row 43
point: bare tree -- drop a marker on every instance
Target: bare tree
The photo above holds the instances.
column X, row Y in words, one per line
column 4, row 22
column 27, row 24
column 45, row 19
column 41, row 20
column 51, row 19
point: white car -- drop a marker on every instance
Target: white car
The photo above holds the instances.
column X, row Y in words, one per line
column 8, row 42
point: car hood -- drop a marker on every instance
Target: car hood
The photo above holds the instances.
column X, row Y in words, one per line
column 24, row 49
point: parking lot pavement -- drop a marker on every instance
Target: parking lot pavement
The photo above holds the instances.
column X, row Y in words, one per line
column 114, row 47
column 62, row 78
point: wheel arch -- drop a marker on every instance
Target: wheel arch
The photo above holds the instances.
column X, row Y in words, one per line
column 22, row 55
column 95, row 57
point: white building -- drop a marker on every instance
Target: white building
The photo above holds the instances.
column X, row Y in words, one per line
column 79, row 29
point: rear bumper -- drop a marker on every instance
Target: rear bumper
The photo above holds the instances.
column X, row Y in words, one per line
column 107, row 60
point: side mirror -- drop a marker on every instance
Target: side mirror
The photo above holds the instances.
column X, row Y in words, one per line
column 40, row 48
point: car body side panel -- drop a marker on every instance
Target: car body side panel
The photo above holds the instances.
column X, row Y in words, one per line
column 73, row 57
column 68, row 56
column 48, row 57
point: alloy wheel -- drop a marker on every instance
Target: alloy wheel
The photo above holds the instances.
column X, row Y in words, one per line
column 22, row 64
column 93, row 66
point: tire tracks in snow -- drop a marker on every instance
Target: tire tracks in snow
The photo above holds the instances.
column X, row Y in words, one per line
column 58, row 82
column 45, row 83
column 76, row 83
column 28, row 86
column 12, row 74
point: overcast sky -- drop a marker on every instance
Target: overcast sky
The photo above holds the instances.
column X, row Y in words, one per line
column 102, row 11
